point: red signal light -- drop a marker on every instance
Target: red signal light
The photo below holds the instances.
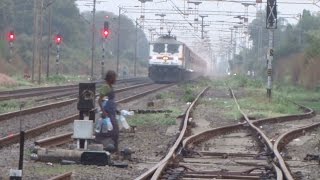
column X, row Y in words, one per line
column 58, row 39
column 105, row 33
column 11, row 36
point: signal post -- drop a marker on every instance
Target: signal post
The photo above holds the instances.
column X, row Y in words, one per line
column 105, row 34
column 271, row 24
column 58, row 40
column 11, row 39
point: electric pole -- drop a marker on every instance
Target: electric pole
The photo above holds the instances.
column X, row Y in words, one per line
column 105, row 35
column 58, row 40
column 35, row 36
column 49, row 40
column 271, row 24
column 93, row 33
column 118, row 41
column 202, row 26
column 135, row 49
column 40, row 41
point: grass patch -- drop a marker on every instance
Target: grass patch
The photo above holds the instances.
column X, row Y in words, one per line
column 225, row 106
column 258, row 105
column 51, row 81
column 189, row 95
column 53, row 170
column 63, row 79
column 10, row 105
column 243, row 81
column 13, row 105
column 307, row 97
column 165, row 95
column 155, row 119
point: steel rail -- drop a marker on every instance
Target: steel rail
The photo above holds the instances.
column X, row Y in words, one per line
column 202, row 136
column 28, row 92
column 285, row 139
column 64, row 138
column 9, row 115
column 264, row 137
column 55, row 140
column 45, row 127
column 65, row 176
column 308, row 113
column 156, row 170
column 34, row 93
column 12, row 92
column 36, row 131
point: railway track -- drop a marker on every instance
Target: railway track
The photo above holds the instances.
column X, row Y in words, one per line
column 125, row 96
column 37, row 109
column 60, row 91
column 240, row 151
column 64, row 176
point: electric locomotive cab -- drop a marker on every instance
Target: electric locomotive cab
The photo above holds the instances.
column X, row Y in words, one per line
column 166, row 60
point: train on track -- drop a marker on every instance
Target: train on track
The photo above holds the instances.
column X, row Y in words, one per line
column 173, row 61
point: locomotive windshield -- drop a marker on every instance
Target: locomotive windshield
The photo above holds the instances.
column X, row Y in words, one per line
column 173, row 48
column 159, row 48
column 162, row 48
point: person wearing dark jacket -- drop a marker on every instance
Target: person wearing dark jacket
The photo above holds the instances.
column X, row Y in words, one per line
column 110, row 108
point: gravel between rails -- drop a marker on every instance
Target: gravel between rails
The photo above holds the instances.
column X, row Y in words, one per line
column 12, row 125
column 149, row 144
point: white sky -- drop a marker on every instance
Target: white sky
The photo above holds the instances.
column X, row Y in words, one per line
column 217, row 31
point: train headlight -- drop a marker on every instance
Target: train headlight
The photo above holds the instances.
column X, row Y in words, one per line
column 165, row 58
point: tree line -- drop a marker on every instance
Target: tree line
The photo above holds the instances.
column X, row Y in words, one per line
column 301, row 38
column 76, row 30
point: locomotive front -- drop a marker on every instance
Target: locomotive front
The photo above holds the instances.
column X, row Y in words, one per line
column 166, row 60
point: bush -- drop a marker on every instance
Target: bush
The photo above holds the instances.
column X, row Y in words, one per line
column 57, row 79
column 244, row 81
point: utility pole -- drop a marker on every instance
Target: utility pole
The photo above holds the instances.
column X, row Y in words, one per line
column 40, row 41
column 49, row 40
column 35, row 36
column 11, row 39
column 93, row 33
column 271, row 24
column 118, row 39
column 102, row 60
column 135, row 49
column 104, row 39
column 230, row 51
column 202, row 26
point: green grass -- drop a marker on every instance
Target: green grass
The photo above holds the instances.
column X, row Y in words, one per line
column 51, row 81
column 190, row 91
column 10, row 105
column 309, row 98
column 225, row 106
column 13, row 105
column 54, row 170
column 155, row 118
column 243, row 81
column 258, row 106
column 165, row 95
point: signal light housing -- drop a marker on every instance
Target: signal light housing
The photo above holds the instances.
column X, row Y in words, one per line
column 105, row 32
column 58, row 39
column 11, row 36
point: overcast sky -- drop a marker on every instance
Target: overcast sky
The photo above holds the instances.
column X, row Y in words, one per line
column 220, row 22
